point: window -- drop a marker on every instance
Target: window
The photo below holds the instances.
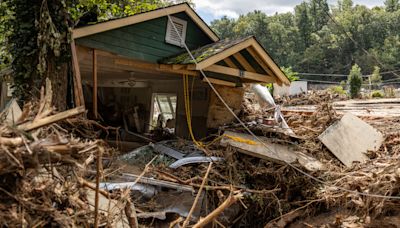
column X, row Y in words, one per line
column 163, row 110
column 171, row 36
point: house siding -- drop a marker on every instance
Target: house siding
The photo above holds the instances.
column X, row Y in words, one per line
column 146, row 40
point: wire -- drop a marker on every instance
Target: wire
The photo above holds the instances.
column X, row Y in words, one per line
column 319, row 81
column 256, row 137
column 188, row 109
column 341, row 27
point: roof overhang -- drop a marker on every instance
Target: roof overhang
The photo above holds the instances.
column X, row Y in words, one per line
column 229, row 61
column 141, row 17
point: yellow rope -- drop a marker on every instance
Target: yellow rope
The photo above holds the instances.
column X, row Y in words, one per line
column 241, row 140
column 188, row 109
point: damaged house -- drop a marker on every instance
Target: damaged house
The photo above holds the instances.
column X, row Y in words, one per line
column 135, row 73
column 136, row 66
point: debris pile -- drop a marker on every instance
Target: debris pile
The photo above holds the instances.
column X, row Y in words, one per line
column 44, row 180
column 312, row 97
column 272, row 177
column 274, row 193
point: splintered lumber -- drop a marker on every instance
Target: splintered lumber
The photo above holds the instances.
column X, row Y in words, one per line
column 51, row 119
column 78, row 91
column 250, row 145
column 350, row 138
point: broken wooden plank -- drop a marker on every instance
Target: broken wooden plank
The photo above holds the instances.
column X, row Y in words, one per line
column 78, row 90
column 350, row 138
column 94, row 71
column 51, row 119
column 250, row 145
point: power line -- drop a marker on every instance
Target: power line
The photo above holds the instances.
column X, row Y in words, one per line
column 355, row 42
column 344, row 75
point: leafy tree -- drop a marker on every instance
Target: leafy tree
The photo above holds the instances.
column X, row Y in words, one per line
column 355, row 81
column 303, row 22
column 318, row 14
column 223, row 27
column 310, row 41
column 392, row 5
column 345, row 5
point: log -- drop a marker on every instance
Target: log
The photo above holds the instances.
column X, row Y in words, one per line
column 51, row 119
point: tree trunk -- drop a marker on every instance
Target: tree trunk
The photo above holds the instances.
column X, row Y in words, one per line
column 58, row 74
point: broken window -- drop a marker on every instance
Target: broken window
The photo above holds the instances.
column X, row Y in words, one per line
column 163, row 111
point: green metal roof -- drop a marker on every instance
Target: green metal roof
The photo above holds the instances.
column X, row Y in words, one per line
column 204, row 52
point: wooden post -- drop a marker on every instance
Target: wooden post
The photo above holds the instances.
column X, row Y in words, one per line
column 78, row 91
column 94, row 94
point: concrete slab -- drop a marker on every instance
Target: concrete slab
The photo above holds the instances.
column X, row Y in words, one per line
column 350, row 139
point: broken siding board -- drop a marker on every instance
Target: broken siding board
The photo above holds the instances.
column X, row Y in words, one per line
column 350, row 138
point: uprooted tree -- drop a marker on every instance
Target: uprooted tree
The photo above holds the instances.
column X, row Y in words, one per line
column 37, row 37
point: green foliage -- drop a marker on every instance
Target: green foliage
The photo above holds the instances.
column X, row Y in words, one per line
column 343, row 84
column 355, row 81
column 337, row 90
column 290, row 74
column 377, row 94
column 392, row 5
column 376, row 78
column 309, row 41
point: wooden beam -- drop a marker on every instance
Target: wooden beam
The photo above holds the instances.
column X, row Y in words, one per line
column 239, row 57
column 78, row 90
column 94, row 94
column 179, row 69
column 141, row 17
column 256, row 56
column 220, row 82
column 230, row 63
column 274, row 67
column 241, row 74
column 221, row 55
column 177, row 66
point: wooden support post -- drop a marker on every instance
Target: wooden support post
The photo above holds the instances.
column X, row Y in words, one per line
column 78, row 91
column 94, row 94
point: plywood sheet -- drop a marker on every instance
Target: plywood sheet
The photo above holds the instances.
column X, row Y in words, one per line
column 350, row 138
column 270, row 151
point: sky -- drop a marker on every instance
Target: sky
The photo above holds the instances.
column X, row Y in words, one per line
column 214, row 9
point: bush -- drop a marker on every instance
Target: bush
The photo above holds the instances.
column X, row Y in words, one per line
column 355, row 81
column 377, row 94
column 337, row 90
